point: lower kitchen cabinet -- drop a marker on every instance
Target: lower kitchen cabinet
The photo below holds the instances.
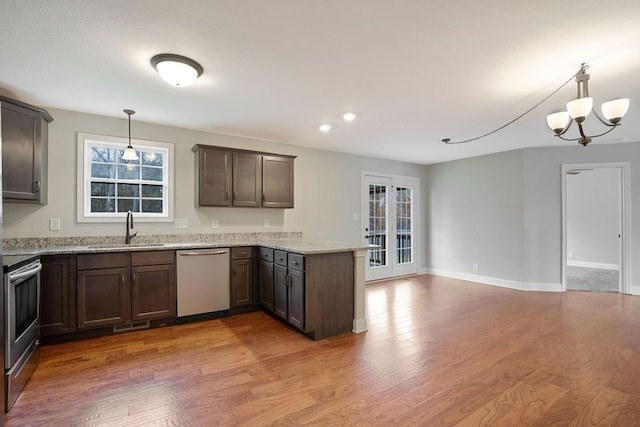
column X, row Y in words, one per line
column 103, row 297
column 243, row 278
column 57, row 295
column 120, row 288
column 313, row 293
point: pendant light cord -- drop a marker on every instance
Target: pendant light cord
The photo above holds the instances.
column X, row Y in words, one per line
column 448, row 140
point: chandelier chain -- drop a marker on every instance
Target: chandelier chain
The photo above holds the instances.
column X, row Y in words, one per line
column 582, row 69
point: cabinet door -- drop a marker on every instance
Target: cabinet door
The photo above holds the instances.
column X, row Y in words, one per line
column 103, row 297
column 280, row 291
column 21, row 153
column 241, row 282
column 247, row 179
column 266, row 284
column 296, row 299
column 57, row 295
column 153, row 292
column 214, row 177
column 277, row 182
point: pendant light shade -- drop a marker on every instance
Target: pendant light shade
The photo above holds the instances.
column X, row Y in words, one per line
column 615, row 110
column 580, row 108
column 558, row 121
column 177, row 70
column 129, row 152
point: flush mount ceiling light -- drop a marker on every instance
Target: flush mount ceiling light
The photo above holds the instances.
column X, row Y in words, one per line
column 176, row 70
column 577, row 110
column 129, row 152
column 326, row 127
column 349, row 117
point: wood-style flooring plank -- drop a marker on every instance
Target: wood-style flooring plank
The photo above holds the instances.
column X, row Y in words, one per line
column 438, row 352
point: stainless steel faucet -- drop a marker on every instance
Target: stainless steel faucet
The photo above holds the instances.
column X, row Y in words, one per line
column 131, row 232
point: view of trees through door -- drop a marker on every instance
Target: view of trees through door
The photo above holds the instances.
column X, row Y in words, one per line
column 389, row 207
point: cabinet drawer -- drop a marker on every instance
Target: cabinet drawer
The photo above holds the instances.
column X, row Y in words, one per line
column 243, row 252
column 296, row 261
column 152, row 258
column 280, row 257
column 266, row 254
column 97, row 261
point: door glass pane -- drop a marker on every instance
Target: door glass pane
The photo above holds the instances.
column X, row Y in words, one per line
column 404, row 222
column 378, row 225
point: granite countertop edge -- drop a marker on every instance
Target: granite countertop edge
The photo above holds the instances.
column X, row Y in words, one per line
column 304, row 248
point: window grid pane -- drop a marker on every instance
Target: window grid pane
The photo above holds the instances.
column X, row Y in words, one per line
column 378, row 225
column 118, row 185
column 404, row 221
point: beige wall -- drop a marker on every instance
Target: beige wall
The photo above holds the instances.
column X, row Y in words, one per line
column 327, row 186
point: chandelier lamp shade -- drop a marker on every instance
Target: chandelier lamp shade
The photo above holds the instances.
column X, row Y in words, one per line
column 129, row 152
column 177, row 70
column 579, row 109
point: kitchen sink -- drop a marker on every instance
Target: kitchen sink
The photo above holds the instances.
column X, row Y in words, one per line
column 131, row 245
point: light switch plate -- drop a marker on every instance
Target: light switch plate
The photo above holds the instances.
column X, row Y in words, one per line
column 181, row 223
column 356, row 216
column 54, row 224
column 267, row 223
column 214, row 223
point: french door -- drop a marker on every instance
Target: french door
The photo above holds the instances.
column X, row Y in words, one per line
column 389, row 211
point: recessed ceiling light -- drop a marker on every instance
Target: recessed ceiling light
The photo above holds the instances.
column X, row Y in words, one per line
column 177, row 70
column 325, row 127
column 348, row 117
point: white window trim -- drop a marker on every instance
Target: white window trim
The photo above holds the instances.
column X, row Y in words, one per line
column 84, row 174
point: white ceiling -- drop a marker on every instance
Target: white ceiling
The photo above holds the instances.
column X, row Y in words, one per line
column 414, row 71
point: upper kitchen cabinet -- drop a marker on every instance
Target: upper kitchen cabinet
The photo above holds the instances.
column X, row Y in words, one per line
column 277, row 182
column 242, row 178
column 24, row 151
column 213, row 176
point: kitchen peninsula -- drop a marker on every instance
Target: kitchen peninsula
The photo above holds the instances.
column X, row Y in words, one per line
column 318, row 288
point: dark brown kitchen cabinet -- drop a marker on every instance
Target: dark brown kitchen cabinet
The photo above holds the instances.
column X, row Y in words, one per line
column 57, row 295
column 213, row 176
column 277, row 182
column 313, row 293
column 104, row 297
column 243, row 178
column 242, row 277
column 24, row 134
column 266, row 278
column 247, row 179
column 153, row 285
column 122, row 287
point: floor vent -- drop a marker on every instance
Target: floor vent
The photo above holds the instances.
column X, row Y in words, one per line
column 131, row 327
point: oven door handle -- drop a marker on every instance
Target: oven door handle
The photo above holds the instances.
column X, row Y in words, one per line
column 14, row 277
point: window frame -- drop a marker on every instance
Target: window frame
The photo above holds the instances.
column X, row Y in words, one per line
column 83, row 162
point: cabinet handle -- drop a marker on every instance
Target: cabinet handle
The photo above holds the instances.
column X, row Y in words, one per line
column 36, row 187
column 122, row 280
column 234, row 196
column 226, row 196
column 234, row 269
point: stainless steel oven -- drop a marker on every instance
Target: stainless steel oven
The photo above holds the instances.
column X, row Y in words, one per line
column 22, row 322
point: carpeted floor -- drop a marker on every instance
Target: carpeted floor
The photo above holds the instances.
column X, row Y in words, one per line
column 591, row 279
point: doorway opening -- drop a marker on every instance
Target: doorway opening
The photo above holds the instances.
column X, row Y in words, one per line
column 595, row 216
column 389, row 213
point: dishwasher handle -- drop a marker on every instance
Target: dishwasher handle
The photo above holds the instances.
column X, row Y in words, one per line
column 202, row 253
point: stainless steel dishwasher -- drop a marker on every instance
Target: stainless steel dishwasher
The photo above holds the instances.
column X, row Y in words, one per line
column 203, row 281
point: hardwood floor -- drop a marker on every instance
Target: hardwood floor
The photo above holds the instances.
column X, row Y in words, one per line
column 438, row 352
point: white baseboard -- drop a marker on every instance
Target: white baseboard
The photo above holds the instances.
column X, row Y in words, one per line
column 588, row 264
column 494, row 281
column 359, row 325
column 635, row 290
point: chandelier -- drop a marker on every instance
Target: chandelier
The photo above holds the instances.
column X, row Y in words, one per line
column 579, row 109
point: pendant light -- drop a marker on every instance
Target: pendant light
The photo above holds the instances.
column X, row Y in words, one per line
column 129, row 152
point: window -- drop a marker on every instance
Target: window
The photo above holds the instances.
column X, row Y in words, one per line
column 109, row 186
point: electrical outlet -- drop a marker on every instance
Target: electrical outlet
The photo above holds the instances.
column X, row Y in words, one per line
column 54, row 224
column 181, row 223
column 571, row 254
column 214, row 223
column 356, row 216
column 267, row 223
column 476, row 267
